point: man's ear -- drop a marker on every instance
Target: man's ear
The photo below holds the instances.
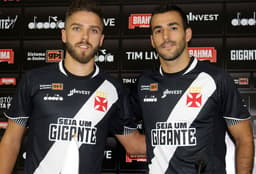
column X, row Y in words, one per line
column 188, row 34
column 63, row 35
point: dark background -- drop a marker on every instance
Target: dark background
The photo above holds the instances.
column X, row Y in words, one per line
column 30, row 34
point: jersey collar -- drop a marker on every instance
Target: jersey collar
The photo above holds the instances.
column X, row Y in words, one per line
column 190, row 67
column 63, row 70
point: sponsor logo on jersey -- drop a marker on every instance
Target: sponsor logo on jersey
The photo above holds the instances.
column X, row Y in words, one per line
column 55, row 97
column 173, row 134
column 204, row 53
column 151, row 87
column 243, row 55
column 202, row 17
column 139, row 20
column 244, row 21
column 54, row 55
column 57, row 86
column 100, row 101
column 66, row 128
column 141, row 55
column 8, row 23
column 81, row 92
column 171, row 92
column 53, row 86
column 150, row 99
column 194, row 97
column 7, row 55
column 52, row 23
column 5, row 102
column 8, row 81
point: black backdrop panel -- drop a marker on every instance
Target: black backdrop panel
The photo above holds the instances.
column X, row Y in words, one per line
column 207, row 49
column 43, row 22
column 241, row 54
column 10, row 22
column 9, row 56
column 136, row 19
column 138, row 55
column 205, row 19
column 38, row 53
column 241, row 19
column 111, row 20
column 108, row 56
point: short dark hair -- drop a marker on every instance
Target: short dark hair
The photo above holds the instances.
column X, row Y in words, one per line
column 84, row 5
column 166, row 8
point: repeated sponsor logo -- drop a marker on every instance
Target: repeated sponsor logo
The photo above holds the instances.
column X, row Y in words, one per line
column 173, row 134
column 139, row 20
column 141, row 55
column 7, row 55
column 171, row 92
column 104, row 56
column 53, row 86
column 242, row 81
column 129, row 158
column 66, row 128
column 244, row 21
column 129, row 80
column 54, row 97
column 5, row 102
column 194, row 97
column 101, row 101
column 204, row 53
column 109, row 22
column 35, row 56
column 202, row 17
column 8, row 23
column 151, row 87
column 8, row 81
column 150, row 99
column 80, row 92
column 243, row 55
column 52, row 23
column 54, row 55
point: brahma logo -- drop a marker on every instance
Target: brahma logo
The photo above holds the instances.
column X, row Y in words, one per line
column 8, row 81
column 7, row 55
column 54, row 55
column 100, row 101
column 139, row 20
column 204, row 53
column 194, row 97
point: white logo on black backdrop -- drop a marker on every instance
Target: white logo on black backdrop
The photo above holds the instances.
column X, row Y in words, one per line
column 52, row 23
column 244, row 21
column 104, row 56
column 8, row 23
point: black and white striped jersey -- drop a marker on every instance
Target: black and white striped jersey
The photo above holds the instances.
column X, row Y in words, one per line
column 58, row 107
column 185, row 116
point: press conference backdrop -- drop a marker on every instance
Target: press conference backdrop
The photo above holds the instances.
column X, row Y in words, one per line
column 224, row 34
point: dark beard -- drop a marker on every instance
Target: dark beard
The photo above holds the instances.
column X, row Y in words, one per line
column 80, row 58
column 177, row 53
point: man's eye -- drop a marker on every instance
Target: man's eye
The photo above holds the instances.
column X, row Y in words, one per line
column 76, row 28
column 95, row 31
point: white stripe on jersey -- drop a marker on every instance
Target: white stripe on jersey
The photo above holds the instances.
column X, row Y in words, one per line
column 54, row 159
column 163, row 153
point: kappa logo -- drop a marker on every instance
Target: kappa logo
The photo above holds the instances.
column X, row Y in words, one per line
column 194, row 97
column 101, row 101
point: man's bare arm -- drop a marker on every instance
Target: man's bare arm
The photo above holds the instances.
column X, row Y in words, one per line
column 243, row 136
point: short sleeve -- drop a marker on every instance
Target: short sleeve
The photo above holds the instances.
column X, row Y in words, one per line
column 232, row 104
column 20, row 108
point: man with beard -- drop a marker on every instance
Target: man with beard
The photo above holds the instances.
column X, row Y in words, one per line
column 187, row 106
column 70, row 108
